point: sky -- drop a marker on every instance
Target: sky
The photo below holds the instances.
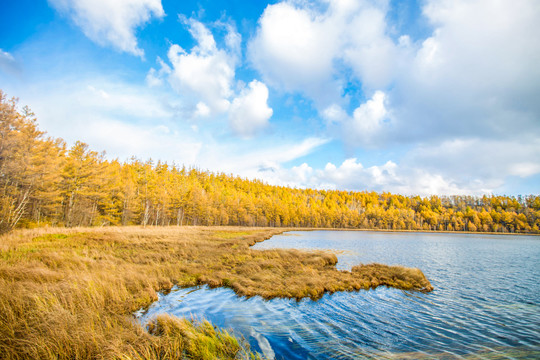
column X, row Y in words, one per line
column 410, row 97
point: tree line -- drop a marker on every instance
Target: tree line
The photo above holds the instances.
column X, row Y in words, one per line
column 44, row 182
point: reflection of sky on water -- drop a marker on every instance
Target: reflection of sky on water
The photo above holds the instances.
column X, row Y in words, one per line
column 486, row 299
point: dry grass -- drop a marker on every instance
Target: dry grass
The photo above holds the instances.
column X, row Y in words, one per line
column 70, row 293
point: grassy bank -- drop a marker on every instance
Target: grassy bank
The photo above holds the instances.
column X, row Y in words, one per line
column 70, row 293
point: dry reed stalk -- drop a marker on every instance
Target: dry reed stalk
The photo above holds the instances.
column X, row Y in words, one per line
column 71, row 293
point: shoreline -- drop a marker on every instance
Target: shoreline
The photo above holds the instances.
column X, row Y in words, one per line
column 417, row 231
column 48, row 228
column 71, row 292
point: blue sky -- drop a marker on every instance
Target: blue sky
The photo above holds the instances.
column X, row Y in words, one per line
column 412, row 97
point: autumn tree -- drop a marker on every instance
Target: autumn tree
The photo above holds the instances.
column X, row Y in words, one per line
column 25, row 172
column 42, row 182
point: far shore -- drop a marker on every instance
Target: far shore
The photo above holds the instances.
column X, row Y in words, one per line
column 415, row 231
column 281, row 229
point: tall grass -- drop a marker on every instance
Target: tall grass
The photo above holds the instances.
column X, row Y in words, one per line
column 71, row 293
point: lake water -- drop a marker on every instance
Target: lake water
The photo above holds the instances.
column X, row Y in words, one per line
column 486, row 302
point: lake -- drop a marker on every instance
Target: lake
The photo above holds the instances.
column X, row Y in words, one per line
column 486, row 302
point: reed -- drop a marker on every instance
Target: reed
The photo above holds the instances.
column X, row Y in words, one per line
column 71, row 293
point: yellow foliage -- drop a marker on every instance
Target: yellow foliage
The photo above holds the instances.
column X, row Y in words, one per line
column 44, row 184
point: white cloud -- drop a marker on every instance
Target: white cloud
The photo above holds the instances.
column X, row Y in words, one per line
column 352, row 175
column 141, row 141
column 300, row 176
column 8, row 62
column 111, row 22
column 202, row 110
column 154, row 78
column 367, row 49
column 459, row 166
column 476, row 73
column 334, row 114
column 6, row 57
column 525, row 169
column 205, row 79
column 124, row 119
column 368, row 123
column 478, row 160
column 305, row 47
column 294, row 49
column 420, row 182
column 124, row 101
column 206, row 73
column 249, row 111
column 368, row 120
column 256, row 159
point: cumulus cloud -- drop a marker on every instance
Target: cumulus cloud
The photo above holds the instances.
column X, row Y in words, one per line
column 111, row 23
column 475, row 73
column 524, row 169
column 367, row 49
column 206, row 73
column 334, row 114
column 369, row 116
column 458, row 166
column 249, row 111
column 367, row 124
column 305, row 47
column 352, row 175
column 469, row 160
column 154, row 78
column 461, row 102
column 147, row 120
column 205, row 79
column 294, row 50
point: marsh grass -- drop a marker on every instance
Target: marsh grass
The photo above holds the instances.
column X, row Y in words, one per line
column 71, row 293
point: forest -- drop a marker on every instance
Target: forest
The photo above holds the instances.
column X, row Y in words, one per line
column 43, row 182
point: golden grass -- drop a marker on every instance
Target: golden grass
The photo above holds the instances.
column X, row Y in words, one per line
column 71, row 293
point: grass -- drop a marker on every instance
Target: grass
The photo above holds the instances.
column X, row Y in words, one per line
column 71, row 293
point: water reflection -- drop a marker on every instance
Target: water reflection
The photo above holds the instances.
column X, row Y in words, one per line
column 485, row 303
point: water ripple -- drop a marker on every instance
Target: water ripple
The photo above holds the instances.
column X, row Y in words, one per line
column 478, row 309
